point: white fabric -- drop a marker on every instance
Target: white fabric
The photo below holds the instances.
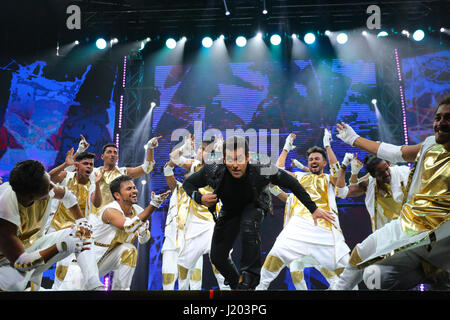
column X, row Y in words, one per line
column 13, row 280
column 390, row 152
column 399, row 177
column 171, row 230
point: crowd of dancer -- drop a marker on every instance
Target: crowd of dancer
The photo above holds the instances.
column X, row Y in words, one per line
column 86, row 219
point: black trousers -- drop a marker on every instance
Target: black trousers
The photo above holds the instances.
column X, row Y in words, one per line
column 228, row 226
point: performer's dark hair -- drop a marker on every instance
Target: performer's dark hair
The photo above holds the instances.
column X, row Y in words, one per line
column 84, row 155
column 235, row 142
column 26, row 177
column 108, row 145
column 115, row 184
column 370, row 163
column 317, row 149
column 445, row 100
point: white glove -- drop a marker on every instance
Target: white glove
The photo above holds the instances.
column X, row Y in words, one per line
column 142, row 231
column 82, row 225
column 347, row 134
column 298, row 164
column 186, row 149
column 327, row 138
column 347, row 158
column 71, row 243
column 157, row 200
column 275, row 190
column 152, row 143
column 82, row 145
column 289, row 144
column 356, row 166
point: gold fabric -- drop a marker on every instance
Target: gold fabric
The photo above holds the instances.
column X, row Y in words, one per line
column 196, row 275
column 327, row 273
column 297, row 276
column 107, row 197
column 202, row 211
column 182, row 272
column 430, row 207
column 273, row 263
column 183, row 204
column 168, row 278
column 31, row 221
column 63, row 218
column 129, row 257
column 385, row 205
column 317, row 188
column 61, row 272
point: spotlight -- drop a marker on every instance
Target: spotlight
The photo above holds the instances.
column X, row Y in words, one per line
column 227, row 13
column 183, row 39
column 114, row 41
column 143, row 182
column 259, row 35
column 364, row 33
column 171, row 43
column 374, row 101
column 100, row 43
column 442, row 30
column 418, row 35
column 76, row 42
column 309, row 38
column 382, row 34
column 222, row 37
column 275, row 39
column 327, row 32
column 241, row 41
column 207, row 42
column 342, row 38
column 405, row 33
column 294, row 35
column 264, row 11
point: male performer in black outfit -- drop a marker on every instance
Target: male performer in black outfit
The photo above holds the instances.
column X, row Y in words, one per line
column 243, row 189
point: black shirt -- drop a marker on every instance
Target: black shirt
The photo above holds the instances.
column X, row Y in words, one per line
column 235, row 193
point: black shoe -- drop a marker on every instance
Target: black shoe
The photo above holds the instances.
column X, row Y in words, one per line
column 248, row 281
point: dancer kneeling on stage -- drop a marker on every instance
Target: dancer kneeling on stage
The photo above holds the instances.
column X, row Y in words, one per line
column 120, row 222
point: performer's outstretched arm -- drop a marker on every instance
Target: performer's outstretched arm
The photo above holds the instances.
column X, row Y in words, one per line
column 149, row 161
column 382, row 150
column 283, row 179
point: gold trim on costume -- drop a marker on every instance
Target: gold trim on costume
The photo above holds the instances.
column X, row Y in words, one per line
column 273, row 263
column 129, row 257
column 196, row 275
column 168, row 278
column 182, row 272
column 297, row 276
column 61, row 272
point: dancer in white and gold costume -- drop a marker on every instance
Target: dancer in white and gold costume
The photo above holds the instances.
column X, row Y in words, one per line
column 301, row 238
column 199, row 224
column 25, row 252
column 110, row 170
column 122, row 221
column 174, row 234
column 395, row 256
column 384, row 187
column 85, row 186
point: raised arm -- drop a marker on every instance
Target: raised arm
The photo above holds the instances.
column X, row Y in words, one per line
column 149, row 161
column 168, row 174
column 288, row 146
column 58, row 174
column 382, row 150
column 333, row 161
column 177, row 155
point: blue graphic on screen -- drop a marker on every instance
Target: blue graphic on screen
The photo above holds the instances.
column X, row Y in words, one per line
column 426, row 79
column 44, row 117
column 304, row 99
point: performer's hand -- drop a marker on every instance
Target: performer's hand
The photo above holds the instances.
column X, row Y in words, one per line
column 327, row 138
column 298, row 164
column 347, row 158
column 158, row 199
column 289, row 144
column 82, row 145
column 209, row 199
column 143, row 228
column 346, row 133
column 152, row 143
column 356, row 165
column 321, row 213
column 69, row 161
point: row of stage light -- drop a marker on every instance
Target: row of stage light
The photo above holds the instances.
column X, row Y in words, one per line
column 275, row 39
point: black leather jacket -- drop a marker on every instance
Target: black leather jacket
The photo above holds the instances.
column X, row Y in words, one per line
column 212, row 175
